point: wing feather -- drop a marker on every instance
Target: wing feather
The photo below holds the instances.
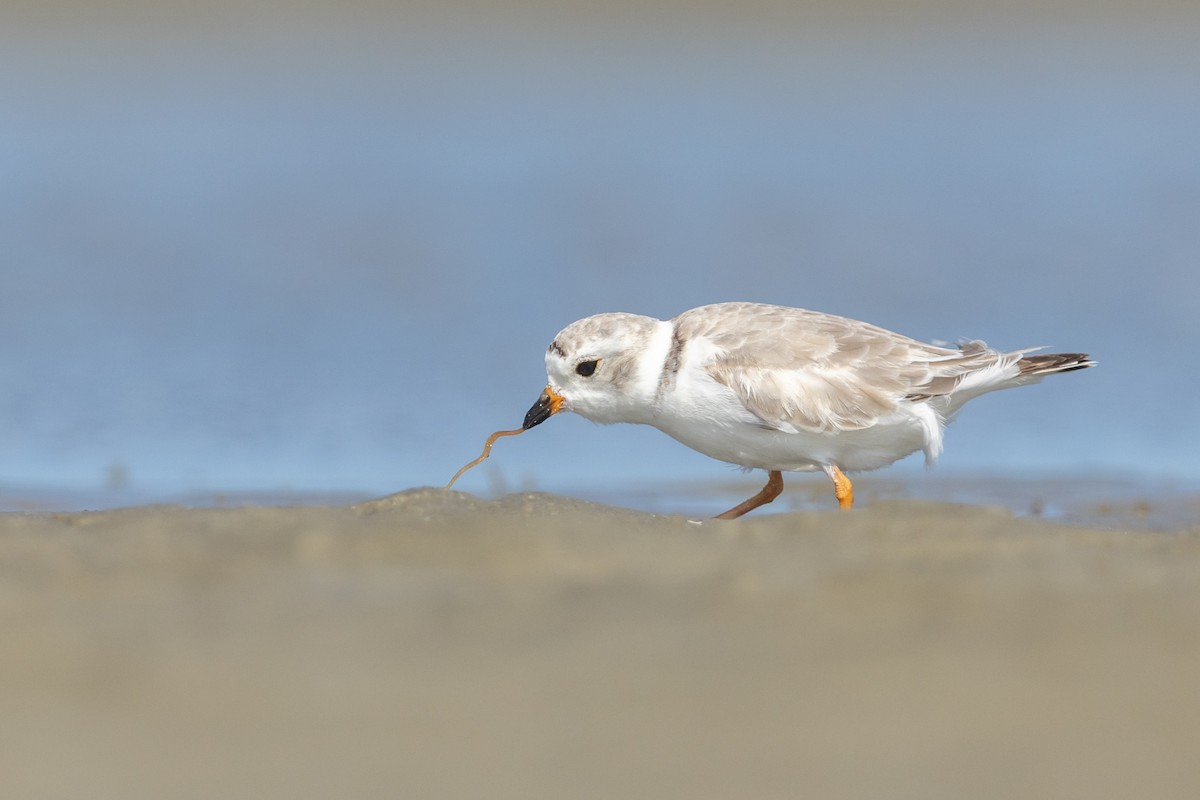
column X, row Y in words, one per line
column 798, row 369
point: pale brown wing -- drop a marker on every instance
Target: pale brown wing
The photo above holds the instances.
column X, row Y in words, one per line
column 798, row 369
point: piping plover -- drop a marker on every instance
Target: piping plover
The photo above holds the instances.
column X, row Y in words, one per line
column 776, row 388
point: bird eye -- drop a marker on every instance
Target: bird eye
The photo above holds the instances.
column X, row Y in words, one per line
column 586, row 368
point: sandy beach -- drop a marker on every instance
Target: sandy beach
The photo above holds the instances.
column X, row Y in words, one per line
column 431, row 644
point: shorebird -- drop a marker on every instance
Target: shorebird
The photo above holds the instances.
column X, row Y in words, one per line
column 776, row 388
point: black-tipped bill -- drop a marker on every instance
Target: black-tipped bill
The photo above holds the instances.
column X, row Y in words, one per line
column 546, row 406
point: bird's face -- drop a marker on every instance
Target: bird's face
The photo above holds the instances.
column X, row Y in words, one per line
column 591, row 369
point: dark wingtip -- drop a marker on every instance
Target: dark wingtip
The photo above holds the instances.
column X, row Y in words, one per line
column 1054, row 362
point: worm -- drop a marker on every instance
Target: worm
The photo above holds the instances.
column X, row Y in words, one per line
column 487, row 451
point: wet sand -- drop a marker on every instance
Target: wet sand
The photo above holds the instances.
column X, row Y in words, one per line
column 432, row 645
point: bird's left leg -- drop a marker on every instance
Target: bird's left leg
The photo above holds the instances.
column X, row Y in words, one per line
column 841, row 486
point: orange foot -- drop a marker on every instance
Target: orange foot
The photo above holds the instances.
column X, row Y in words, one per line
column 842, row 487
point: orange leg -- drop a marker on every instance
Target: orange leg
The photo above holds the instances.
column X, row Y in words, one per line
column 841, row 487
column 769, row 492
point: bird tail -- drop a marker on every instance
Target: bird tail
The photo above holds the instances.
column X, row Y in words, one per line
column 1036, row 366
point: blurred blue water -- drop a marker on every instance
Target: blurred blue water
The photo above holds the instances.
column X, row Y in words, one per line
column 338, row 268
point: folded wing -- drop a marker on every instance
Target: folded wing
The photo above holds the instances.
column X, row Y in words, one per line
column 796, row 369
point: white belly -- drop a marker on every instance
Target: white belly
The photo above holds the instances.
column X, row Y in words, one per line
column 750, row 445
column 715, row 422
